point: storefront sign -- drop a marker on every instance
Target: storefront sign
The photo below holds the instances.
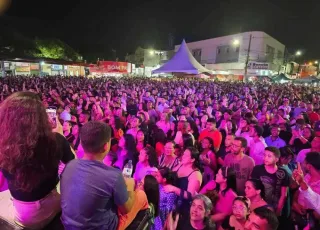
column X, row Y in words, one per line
column 34, row 67
column 23, row 68
column 22, row 64
column 110, row 67
column 56, row 67
column 258, row 65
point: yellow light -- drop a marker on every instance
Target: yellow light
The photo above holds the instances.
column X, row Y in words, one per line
column 310, row 63
column 236, row 42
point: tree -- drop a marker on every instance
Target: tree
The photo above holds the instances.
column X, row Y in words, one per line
column 55, row 49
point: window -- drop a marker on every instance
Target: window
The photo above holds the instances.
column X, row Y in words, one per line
column 219, row 51
column 227, row 50
column 237, row 49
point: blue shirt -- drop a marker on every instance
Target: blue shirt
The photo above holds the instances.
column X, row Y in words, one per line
column 278, row 143
column 90, row 194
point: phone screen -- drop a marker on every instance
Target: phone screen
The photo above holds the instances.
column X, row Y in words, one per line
column 52, row 113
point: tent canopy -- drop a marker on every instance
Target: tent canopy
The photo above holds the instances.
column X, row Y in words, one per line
column 309, row 79
column 182, row 62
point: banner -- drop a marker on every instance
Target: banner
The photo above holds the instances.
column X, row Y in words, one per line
column 34, row 67
column 56, row 67
column 110, row 67
column 258, row 65
column 23, row 68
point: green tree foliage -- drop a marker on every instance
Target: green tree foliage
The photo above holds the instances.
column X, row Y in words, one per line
column 55, row 49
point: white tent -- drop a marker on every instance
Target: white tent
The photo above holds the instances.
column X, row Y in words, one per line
column 182, row 62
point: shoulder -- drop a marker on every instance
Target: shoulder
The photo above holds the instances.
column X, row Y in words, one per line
column 60, row 138
column 196, row 175
column 249, row 159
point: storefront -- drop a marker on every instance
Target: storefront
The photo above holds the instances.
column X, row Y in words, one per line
column 73, row 70
column 57, row 70
column 46, row 69
column 34, row 68
column 22, row 68
column 105, row 68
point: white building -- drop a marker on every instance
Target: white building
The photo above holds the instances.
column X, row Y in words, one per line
column 228, row 55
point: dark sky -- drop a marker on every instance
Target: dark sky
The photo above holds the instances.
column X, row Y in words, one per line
column 96, row 27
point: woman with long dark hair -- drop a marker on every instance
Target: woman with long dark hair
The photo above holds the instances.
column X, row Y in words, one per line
column 164, row 177
column 225, row 189
column 126, row 152
column 198, row 218
column 146, row 197
column 189, row 179
column 208, row 160
column 30, row 153
column 254, row 190
column 148, row 162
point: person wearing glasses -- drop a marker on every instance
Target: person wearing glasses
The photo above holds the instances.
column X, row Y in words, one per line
column 240, row 162
column 240, row 214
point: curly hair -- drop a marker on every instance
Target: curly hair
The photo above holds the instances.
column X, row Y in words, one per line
column 28, row 148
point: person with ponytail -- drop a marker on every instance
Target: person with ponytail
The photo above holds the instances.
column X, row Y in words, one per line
column 254, row 190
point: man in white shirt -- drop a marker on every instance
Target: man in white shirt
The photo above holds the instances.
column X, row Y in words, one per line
column 257, row 144
column 286, row 108
column 308, row 196
column 65, row 115
column 315, row 147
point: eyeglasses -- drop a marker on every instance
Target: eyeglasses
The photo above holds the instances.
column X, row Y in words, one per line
column 238, row 208
column 233, row 145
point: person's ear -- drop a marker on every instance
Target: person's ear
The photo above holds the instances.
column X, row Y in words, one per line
column 277, row 159
column 106, row 146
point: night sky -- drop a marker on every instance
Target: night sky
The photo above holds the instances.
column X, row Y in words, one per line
column 96, row 27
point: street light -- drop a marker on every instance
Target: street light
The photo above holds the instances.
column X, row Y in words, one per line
column 236, row 42
column 316, row 62
column 151, row 52
column 298, row 53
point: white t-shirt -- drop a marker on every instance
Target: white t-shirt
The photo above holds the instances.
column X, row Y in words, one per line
column 257, row 151
column 302, row 155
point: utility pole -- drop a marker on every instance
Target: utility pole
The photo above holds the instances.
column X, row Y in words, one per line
column 247, row 59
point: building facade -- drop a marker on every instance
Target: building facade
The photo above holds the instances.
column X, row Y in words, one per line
column 228, row 55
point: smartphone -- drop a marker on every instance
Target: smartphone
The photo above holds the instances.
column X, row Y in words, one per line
column 52, row 114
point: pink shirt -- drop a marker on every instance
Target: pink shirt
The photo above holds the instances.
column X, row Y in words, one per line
column 224, row 204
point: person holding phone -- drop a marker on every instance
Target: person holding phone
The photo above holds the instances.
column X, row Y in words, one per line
column 30, row 152
column 308, row 195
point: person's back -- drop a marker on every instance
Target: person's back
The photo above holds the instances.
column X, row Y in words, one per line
column 91, row 192
column 87, row 195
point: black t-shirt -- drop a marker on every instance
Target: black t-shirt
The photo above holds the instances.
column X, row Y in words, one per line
column 47, row 184
column 184, row 224
column 226, row 224
column 272, row 183
column 285, row 135
column 298, row 145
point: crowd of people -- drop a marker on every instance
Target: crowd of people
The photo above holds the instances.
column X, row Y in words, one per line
column 204, row 154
